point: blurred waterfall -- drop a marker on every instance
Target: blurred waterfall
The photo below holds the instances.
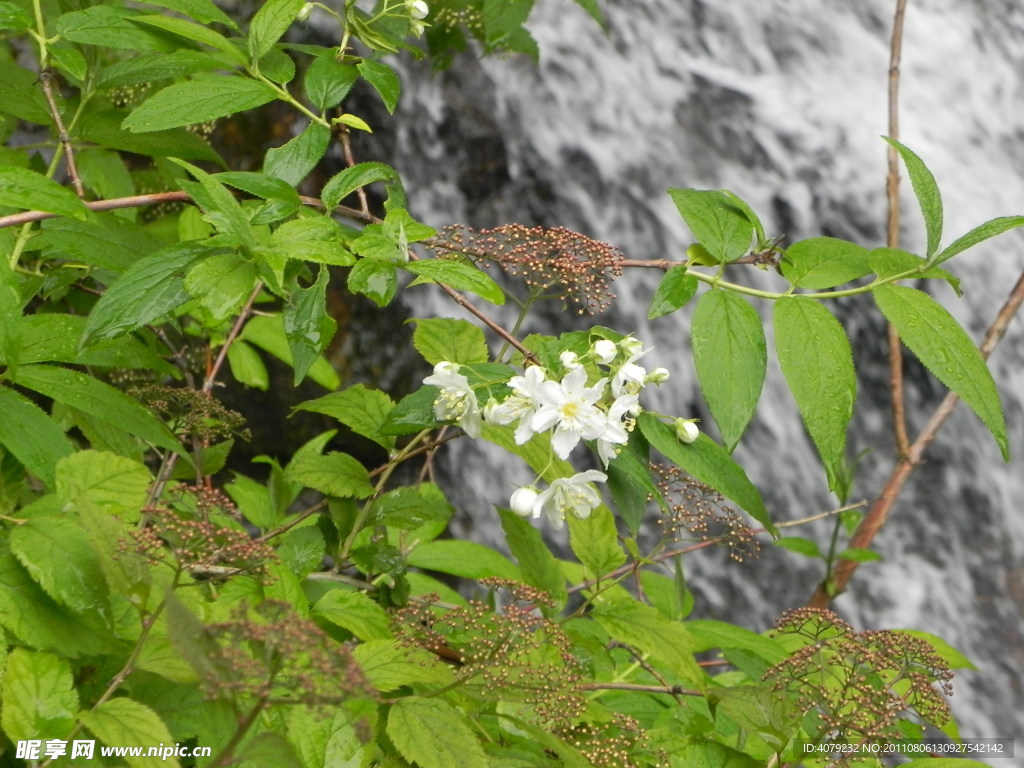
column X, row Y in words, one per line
column 782, row 102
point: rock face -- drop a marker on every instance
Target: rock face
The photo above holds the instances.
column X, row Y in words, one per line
column 783, row 103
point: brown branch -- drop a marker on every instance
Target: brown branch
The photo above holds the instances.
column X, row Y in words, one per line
column 892, row 185
column 350, row 160
column 879, row 512
column 46, row 80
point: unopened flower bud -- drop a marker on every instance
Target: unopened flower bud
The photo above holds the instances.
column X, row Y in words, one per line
column 304, row 12
column 523, row 500
column 631, row 346
column 658, row 375
column 605, row 350
column 569, row 359
column 687, row 430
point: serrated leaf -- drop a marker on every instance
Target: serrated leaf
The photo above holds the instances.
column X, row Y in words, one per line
column 361, row 409
column 979, row 234
column 27, row 190
column 267, row 333
column 111, row 27
column 39, row 695
column 355, row 612
column 412, row 413
column 927, row 192
column 824, row 262
column 433, row 734
column 334, row 474
column 674, row 291
column 343, row 184
column 156, row 66
column 448, row 339
column 247, row 366
column 13, row 17
column 595, row 541
column 537, row 564
column 103, row 127
column 645, row 629
column 375, row 279
column 221, row 283
column 71, row 574
column 31, row 436
column 150, row 289
column 459, row 275
column 410, row 507
column 800, row 546
column 817, row 362
column 463, row 558
column 308, row 326
column 389, row 665
column 384, row 80
column 99, row 399
column 220, row 207
column 121, row 721
column 192, row 32
column 200, row 10
column 889, row 262
column 731, row 357
column 630, row 483
column 293, row 162
column 708, row 634
column 197, row 101
column 722, row 229
column 945, row 349
column 708, row 462
column 270, row 23
column 328, row 81
column 111, row 484
column 955, row 658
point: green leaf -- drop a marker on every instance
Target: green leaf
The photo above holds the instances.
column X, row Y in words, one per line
column 328, row 81
column 595, row 541
column 411, row 506
column 355, row 612
column 708, row 634
column 335, row 474
column 412, row 413
column 630, row 483
column 722, row 228
column 14, row 18
column 71, row 574
column 221, row 208
column 945, row 349
column 103, row 127
column 449, row 339
column 824, row 262
column 122, row 721
column 221, row 283
column 645, row 629
column 197, row 101
column 363, row 410
column 459, row 275
column 31, row 436
column 731, row 358
column 433, row 734
column 201, row 10
column 110, row 27
column 377, row 280
column 267, row 333
column 28, row 190
column 384, row 80
column 538, row 566
column 192, row 32
column 890, row 262
column 800, row 545
column 927, row 192
column 112, row 484
column 293, row 162
column 247, row 366
column 151, row 67
column 463, row 558
column 817, row 362
column 674, row 291
column 261, row 185
column 979, row 234
column 859, row 555
column 39, row 696
column 269, row 25
column 953, row 657
column 390, row 665
column 98, row 399
column 343, row 184
column 308, row 326
column 150, row 289
column 708, row 462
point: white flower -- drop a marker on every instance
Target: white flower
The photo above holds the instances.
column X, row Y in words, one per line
column 418, row 9
column 522, row 404
column 616, row 430
column 417, row 28
column 457, row 401
column 605, row 350
column 523, row 500
column 632, row 347
column 569, row 408
column 658, row 376
column 630, row 378
column 687, row 430
column 574, row 495
column 569, row 359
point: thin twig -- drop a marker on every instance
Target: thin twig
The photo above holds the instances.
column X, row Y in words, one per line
column 46, row 80
column 671, row 690
column 892, row 185
column 879, row 512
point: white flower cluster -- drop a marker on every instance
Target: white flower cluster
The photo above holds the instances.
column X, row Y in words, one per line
column 571, row 408
column 418, row 11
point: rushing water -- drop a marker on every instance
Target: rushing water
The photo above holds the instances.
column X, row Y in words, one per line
column 782, row 102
